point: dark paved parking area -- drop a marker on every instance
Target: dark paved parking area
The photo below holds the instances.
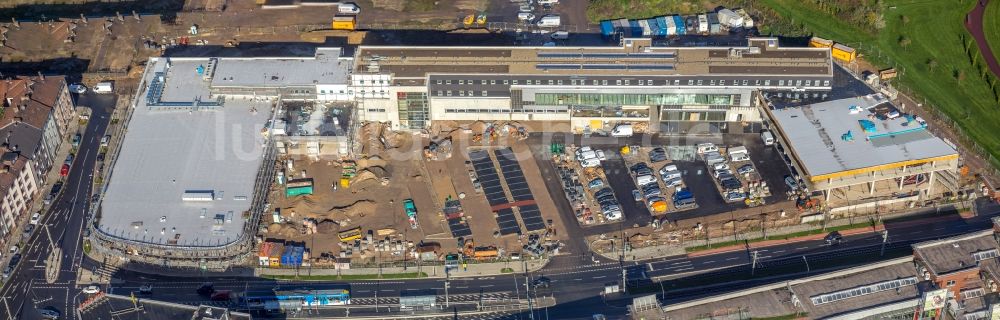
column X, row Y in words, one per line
column 621, row 182
column 767, row 159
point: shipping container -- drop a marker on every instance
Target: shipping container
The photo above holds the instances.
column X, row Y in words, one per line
column 844, row 53
column 350, row 235
column 607, row 28
column 661, row 27
column 292, row 256
column 817, row 42
column 636, row 29
column 747, row 20
column 298, row 191
column 306, row 182
column 274, row 256
column 679, row 24
column 344, row 23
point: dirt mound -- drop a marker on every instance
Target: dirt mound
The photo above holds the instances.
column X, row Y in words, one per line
column 282, row 230
column 358, row 208
column 327, row 226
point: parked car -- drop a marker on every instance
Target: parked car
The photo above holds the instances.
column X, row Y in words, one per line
column 657, row 155
column 91, row 289
column 590, row 163
column 735, row 196
column 645, row 179
column 146, row 289
column 668, row 168
column 603, row 191
column 35, row 217
column 790, row 182
column 638, row 166
column 105, row 140
column 28, row 229
column 69, row 158
column 833, row 238
column 745, row 169
column 722, row 173
column 637, row 195
column 7, row 271
column 100, row 156
column 55, row 188
column 596, row 183
column 525, row 16
column 14, row 249
column 76, row 140
column 673, row 182
column 77, row 88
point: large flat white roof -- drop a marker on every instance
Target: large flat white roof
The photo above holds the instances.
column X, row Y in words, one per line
column 327, row 67
column 167, row 152
column 816, row 134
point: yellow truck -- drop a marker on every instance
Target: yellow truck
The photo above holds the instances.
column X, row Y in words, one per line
column 844, row 53
column 350, row 235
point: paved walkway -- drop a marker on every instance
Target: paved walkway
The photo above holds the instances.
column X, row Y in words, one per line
column 470, row 270
column 974, row 23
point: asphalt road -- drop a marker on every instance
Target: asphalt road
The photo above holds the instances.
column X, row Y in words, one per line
column 576, row 281
column 26, row 289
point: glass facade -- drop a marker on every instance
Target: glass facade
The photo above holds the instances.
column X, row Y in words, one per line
column 679, row 115
column 413, row 110
column 628, row 99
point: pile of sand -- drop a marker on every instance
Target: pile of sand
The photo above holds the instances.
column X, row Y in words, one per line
column 279, row 230
column 357, row 209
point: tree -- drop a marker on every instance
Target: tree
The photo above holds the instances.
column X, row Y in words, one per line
column 904, row 41
column 931, row 64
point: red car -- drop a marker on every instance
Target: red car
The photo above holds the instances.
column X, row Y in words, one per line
column 64, row 171
column 222, row 295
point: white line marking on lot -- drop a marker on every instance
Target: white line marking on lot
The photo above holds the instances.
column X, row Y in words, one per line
column 733, row 258
column 487, row 286
column 683, row 269
column 706, row 262
column 801, row 248
column 578, row 279
column 779, row 251
column 598, row 277
column 682, row 262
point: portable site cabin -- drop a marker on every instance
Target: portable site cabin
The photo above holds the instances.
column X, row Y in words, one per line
column 679, row 25
column 691, row 24
column 702, row 23
column 607, row 28
column 843, row 53
column 730, row 19
column 297, row 187
column 713, row 24
column 644, row 24
column 670, row 28
column 635, row 28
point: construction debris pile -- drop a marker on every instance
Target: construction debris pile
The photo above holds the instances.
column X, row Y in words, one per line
column 438, row 150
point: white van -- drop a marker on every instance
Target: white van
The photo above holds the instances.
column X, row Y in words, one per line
column 525, row 16
column 551, row 20
column 586, row 155
column 622, row 130
column 104, row 87
column 767, row 137
column 737, row 154
column 560, row 35
column 670, row 175
column 644, row 180
column 706, row 147
column 348, row 8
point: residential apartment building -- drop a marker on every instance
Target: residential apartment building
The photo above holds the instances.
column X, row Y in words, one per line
column 34, row 122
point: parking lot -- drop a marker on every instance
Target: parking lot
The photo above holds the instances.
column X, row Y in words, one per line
column 665, row 193
column 586, row 187
column 767, row 160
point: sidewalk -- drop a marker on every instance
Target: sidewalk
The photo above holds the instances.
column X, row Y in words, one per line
column 471, row 270
column 652, row 252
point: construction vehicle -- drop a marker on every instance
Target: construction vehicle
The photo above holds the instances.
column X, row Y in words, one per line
column 481, row 19
column 469, row 20
column 350, row 169
column 557, row 148
column 805, row 203
column 411, row 212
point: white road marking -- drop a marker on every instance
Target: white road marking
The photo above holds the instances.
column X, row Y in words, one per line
column 598, row 277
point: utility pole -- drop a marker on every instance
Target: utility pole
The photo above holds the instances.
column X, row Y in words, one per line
column 753, row 262
column 446, row 279
column 885, row 238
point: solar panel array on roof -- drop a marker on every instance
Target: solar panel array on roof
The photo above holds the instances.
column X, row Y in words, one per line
column 532, row 217
column 459, row 228
column 513, row 175
column 604, row 66
column 507, row 222
column 651, row 67
column 557, row 66
column 609, row 55
column 488, row 177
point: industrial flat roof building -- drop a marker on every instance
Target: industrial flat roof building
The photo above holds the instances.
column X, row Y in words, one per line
column 191, row 173
column 673, row 87
column 864, row 140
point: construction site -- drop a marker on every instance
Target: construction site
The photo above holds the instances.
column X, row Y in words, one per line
column 413, row 197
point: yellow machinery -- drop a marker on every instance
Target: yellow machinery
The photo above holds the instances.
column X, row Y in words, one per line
column 843, row 53
column 469, row 20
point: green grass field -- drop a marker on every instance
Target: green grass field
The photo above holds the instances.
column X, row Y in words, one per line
column 991, row 26
column 934, row 31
